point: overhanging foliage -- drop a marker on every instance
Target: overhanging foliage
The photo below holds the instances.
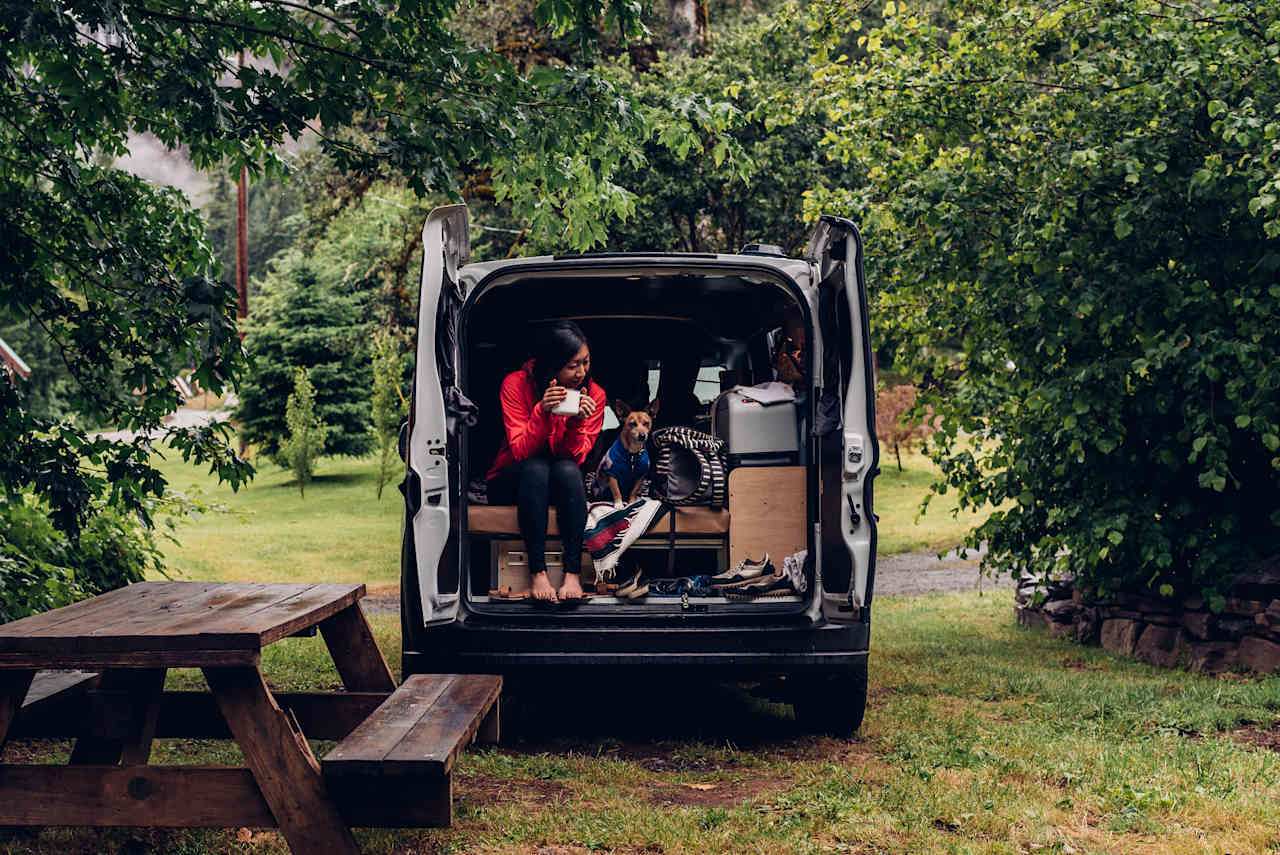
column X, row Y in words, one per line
column 1082, row 196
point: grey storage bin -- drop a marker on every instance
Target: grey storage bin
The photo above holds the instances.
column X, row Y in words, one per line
column 755, row 433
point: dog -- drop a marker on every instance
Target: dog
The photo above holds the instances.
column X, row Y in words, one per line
column 625, row 466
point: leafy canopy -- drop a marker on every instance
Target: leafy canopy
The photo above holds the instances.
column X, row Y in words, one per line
column 1082, row 195
column 116, row 273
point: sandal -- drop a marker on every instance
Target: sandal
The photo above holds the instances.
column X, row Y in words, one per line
column 505, row 593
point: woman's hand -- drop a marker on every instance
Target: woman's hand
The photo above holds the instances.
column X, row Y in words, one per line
column 553, row 396
column 586, row 406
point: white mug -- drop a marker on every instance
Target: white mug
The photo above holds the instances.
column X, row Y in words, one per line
column 569, row 406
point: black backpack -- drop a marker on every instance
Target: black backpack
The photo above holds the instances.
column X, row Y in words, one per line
column 689, row 468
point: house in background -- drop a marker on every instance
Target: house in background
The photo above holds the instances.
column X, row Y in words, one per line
column 12, row 363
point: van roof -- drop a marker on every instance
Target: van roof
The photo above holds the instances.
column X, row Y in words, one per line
column 794, row 268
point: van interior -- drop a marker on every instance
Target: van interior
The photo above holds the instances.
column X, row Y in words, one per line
column 681, row 337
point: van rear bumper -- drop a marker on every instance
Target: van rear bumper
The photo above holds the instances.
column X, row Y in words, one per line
column 472, row 647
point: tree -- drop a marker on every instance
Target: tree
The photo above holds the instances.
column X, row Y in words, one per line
column 387, row 405
column 304, row 321
column 117, row 273
column 306, row 431
column 897, row 422
column 1084, row 196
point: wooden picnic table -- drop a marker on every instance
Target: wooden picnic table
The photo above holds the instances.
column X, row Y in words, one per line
column 130, row 636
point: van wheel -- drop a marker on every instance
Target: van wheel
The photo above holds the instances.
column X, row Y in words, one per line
column 833, row 703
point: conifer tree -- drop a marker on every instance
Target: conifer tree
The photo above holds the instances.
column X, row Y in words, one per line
column 303, row 319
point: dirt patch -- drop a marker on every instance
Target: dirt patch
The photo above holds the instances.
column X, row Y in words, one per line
column 483, row 789
column 711, row 794
column 1257, row 736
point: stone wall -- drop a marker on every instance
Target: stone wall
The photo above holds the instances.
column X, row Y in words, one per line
column 1245, row 635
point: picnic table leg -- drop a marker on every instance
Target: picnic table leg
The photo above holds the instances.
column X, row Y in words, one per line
column 360, row 662
column 13, row 691
column 141, row 690
column 282, row 763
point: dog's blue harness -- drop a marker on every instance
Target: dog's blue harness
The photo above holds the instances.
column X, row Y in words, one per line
column 624, row 466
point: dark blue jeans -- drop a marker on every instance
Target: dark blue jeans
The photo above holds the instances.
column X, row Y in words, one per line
column 533, row 485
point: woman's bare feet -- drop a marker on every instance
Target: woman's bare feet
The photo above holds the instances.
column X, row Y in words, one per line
column 572, row 587
column 542, row 589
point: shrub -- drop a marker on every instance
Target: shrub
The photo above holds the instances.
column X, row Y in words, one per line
column 898, row 422
column 388, row 405
column 43, row 568
column 305, row 441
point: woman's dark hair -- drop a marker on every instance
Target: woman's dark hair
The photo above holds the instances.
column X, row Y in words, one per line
column 554, row 347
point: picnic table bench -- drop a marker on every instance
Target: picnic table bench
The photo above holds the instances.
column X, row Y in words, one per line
column 392, row 766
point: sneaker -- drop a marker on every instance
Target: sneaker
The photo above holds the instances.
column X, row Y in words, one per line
column 775, row 585
column 793, row 566
column 743, row 571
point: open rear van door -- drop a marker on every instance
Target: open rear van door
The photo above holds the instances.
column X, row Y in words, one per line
column 432, row 541
column 844, row 425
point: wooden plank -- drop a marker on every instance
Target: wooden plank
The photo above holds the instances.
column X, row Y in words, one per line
column 490, row 732
column 195, row 715
column 381, row 802
column 148, row 796
column 365, row 747
column 13, row 688
column 131, row 659
column 283, row 765
column 355, row 652
column 173, row 616
column 177, row 617
column 323, row 602
column 133, row 698
column 767, row 512
column 50, row 687
column 435, row 741
column 105, row 609
column 194, row 797
column 216, row 619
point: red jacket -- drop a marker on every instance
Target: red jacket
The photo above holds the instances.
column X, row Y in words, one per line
column 531, row 430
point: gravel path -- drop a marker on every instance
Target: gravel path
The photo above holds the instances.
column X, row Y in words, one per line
column 916, row 573
column 182, row 417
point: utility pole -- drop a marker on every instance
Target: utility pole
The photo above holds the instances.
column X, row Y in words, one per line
column 242, row 237
column 242, row 250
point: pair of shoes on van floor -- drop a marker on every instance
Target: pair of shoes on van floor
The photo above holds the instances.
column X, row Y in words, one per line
column 634, row 588
column 743, row 572
column 776, row 584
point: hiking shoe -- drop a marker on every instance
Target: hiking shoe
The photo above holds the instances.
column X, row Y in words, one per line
column 743, row 571
column 774, row 585
column 793, row 566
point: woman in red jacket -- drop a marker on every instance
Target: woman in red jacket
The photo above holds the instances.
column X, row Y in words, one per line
column 538, row 464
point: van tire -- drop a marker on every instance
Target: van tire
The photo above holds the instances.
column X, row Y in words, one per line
column 833, row 703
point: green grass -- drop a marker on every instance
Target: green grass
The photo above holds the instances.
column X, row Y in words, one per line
column 339, row 533
column 980, row 737
column 898, row 496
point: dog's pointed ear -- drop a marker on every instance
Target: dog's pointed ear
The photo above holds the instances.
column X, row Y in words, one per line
column 652, row 409
column 621, row 409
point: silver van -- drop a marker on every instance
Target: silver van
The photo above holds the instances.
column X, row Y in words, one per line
column 685, row 328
